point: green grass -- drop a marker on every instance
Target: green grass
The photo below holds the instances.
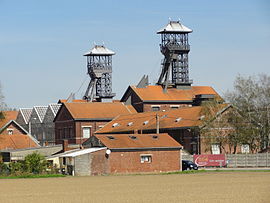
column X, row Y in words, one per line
column 33, row 176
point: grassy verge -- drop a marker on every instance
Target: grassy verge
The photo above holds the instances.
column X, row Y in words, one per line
column 33, row 176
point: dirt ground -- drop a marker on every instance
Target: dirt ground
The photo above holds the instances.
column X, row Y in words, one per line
column 202, row 187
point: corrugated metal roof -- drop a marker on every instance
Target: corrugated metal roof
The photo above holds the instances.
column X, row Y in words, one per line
column 156, row 93
column 82, row 152
column 41, row 111
column 26, row 113
column 174, row 27
column 98, row 110
column 128, row 141
column 99, row 50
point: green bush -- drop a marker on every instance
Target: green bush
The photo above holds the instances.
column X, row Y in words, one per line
column 35, row 163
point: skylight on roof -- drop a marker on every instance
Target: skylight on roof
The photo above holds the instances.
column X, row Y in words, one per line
column 133, row 137
column 111, row 137
column 155, row 137
column 145, row 122
column 202, row 117
column 115, row 125
column 130, row 124
column 178, row 119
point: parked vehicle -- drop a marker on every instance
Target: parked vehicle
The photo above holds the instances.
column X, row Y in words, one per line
column 188, row 165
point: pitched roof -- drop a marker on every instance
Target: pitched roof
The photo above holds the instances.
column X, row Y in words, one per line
column 179, row 118
column 99, row 50
column 156, row 93
column 129, row 141
column 8, row 115
column 174, row 27
column 98, row 110
column 41, row 111
column 26, row 113
column 74, row 100
column 16, row 141
column 81, row 152
column 55, row 108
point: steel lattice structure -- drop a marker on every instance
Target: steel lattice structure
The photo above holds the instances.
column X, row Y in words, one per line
column 175, row 48
column 99, row 68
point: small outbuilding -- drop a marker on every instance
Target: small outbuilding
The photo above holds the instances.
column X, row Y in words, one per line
column 124, row 153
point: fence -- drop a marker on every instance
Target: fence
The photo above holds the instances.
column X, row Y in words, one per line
column 243, row 160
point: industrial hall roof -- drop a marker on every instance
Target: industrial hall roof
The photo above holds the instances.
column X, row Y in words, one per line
column 174, row 27
column 54, row 108
column 135, row 141
column 96, row 110
column 155, row 93
column 40, row 111
column 185, row 117
column 26, row 113
column 99, row 50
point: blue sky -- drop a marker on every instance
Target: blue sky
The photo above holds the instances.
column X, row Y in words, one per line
column 42, row 43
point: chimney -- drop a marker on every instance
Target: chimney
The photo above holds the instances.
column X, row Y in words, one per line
column 65, row 145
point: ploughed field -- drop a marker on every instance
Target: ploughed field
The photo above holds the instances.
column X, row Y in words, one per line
column 200, row 187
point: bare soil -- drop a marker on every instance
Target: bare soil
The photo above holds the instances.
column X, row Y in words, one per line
column 201, row 187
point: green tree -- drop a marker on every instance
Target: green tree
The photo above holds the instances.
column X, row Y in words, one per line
column 215, row 128
column 251, row 98
column 35, row 163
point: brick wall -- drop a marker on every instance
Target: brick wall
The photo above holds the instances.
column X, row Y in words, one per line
column 130, row 162
column 99, row 163
column 148, row 107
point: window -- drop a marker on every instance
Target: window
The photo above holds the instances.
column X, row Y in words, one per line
column 174, row 106
column 215, row 149
column 155, row 108
column 147, row 158
column 10, row 131
column 245, row 148
column 86, row 132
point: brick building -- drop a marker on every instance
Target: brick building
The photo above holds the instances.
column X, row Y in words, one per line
column 124, row 154
column 154, row 98
column 77, row 122
column 183, row 124
column 14, row 136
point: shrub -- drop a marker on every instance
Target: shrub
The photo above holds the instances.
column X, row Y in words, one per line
column 35, row 163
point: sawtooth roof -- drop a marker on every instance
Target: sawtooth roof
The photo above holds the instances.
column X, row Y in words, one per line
column 98, row 110
column 156, row 93
column 129, row 141
column 178, row 118
column 41, row 111
column 55, row 108
column 26, row 113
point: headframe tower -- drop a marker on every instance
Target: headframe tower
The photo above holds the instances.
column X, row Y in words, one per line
column 175, row 48
column 99, row 68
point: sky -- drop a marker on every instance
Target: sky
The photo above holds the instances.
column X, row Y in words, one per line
column 42, row 43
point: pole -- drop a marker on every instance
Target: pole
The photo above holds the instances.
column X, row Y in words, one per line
column 157, row 123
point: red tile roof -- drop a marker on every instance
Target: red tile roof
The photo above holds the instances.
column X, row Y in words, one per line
column 18, row 141
column 156, row 93
column 127, row 141
column 98, row 110
column 8, row 115
column 179, row 118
